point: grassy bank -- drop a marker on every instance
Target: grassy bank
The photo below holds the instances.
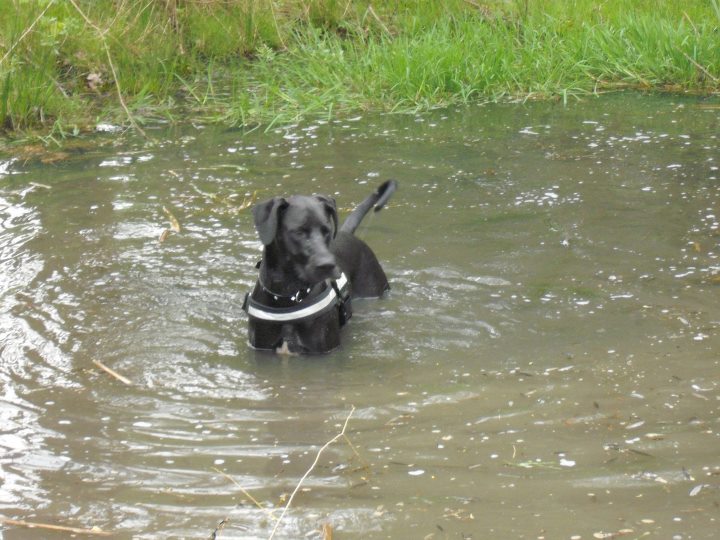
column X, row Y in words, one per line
column 67, row 64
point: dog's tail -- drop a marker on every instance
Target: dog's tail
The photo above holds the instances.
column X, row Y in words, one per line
column 377, row 199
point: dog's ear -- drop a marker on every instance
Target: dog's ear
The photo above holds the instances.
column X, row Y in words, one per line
column 267, row 215
column 331, row 209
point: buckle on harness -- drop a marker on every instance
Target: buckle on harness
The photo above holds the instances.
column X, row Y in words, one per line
column 343, row 303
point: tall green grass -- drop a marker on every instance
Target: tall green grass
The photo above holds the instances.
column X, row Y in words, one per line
column 66, row 62
column 494, row 55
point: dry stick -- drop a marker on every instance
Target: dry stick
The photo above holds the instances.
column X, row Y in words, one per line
column 27, row 31
column 365, row 464
column 46, row 526
column 245, row 492
column 172, row 6
column 317, row 458
column 226, row 520
column 174, row 223
column 112, row 372
column 119, row 92
column 700, row 67
column 375, row 15
column 277, row 26
column 112, row 68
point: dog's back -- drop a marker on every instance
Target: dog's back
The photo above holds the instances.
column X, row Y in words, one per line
column 360, row 265
column 354, row 256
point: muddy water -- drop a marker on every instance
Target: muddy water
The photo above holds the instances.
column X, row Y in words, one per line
column 546, row 365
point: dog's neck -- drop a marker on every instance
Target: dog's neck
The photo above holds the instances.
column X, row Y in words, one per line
column 277, row 276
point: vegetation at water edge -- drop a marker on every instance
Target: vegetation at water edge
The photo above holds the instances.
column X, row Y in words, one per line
column 66, row 65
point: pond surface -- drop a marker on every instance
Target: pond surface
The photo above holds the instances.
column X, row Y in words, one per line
column 546, row 365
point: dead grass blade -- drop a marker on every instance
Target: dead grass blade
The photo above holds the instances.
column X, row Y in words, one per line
column 307, row 473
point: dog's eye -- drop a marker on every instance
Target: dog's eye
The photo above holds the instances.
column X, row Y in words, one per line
column 325, row 231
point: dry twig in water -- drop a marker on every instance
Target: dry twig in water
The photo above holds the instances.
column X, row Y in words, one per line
column 174, row 223
column 246, row 493
column 307, row 473
column 48, row 527
column 112, row 372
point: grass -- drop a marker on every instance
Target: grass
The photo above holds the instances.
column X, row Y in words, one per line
column 67, row 64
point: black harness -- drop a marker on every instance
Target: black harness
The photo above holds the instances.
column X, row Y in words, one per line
column 336, row 295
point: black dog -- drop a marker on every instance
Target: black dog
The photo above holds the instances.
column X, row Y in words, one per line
column 309, row 272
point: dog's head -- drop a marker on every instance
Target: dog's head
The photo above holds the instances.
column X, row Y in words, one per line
column 302, row 228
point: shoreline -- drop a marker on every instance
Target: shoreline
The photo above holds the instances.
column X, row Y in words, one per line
column 69, row 66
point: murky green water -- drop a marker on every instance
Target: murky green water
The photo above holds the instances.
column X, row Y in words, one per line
column 546, row 365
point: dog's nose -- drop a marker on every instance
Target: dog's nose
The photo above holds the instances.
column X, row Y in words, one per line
column 329, row 269
column 326, row 266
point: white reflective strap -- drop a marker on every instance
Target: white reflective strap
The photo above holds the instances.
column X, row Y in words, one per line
column 294, row 315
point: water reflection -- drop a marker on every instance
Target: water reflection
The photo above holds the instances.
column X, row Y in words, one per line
column 545, row 365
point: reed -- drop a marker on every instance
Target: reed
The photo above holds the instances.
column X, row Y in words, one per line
column 67, row 63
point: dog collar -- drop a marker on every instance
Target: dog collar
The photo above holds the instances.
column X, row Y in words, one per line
column 297, row 296
column 333, row 295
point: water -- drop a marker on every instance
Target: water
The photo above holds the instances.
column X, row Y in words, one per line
column 546, row 365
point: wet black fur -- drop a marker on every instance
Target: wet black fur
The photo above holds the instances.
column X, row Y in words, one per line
column 303, row 247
